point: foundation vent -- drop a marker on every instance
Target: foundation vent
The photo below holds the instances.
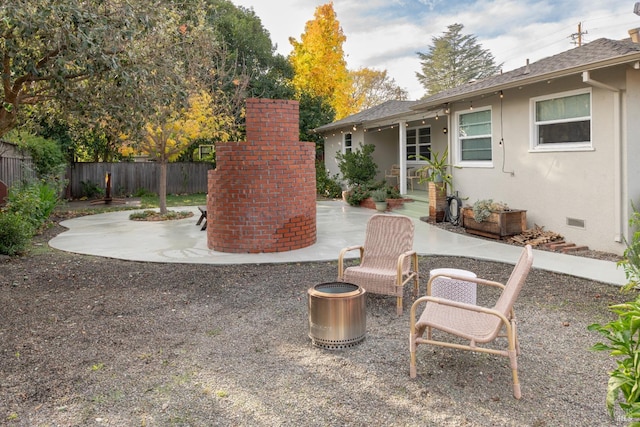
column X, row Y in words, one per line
column 575, row 222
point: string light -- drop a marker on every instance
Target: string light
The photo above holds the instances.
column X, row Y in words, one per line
column 470, row 105
column 446, row 108
column 501, row 95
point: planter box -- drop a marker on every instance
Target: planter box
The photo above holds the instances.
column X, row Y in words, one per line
column 498, row 225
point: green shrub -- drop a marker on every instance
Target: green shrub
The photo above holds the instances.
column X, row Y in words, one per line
column 623, row 342
column 90, row 189
column 327, row 186
column 631, row 259
column 33, row 201
column 47, row 155
column 357, row 194
column 357, row 166
column 15, row 233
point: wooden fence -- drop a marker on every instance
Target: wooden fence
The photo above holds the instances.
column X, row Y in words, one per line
column 15, row 170
column 129, row 178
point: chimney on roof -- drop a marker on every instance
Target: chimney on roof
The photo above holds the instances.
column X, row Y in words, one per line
column 635, row 35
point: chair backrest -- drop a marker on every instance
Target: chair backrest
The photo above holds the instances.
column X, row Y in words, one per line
column 387, row 236
column 395, row 170
column 515, row 282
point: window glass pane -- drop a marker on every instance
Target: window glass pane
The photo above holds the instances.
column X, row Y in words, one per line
column 476, row 149
column 425, row 152
column 478, row 123
column 424, row 136
column 568, row 107
column 565, row 132
column 411, row 136
column 411, row 152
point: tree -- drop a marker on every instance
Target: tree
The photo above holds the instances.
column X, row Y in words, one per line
column 373, row 87
column 47, row 48
column 453, row 60
column 314, row 112
column 171, row 132
column 318, row 61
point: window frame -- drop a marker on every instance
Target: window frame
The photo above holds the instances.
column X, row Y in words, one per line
column 429, row 145
column 535, row 146
column 458, row 140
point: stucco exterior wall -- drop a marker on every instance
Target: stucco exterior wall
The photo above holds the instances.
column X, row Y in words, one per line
column 556, row 187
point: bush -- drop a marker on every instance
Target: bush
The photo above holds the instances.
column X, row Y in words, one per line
column 90, row 189
column 357, row 166
column 15, row 233
column 623, row 342
column 357, row 194
column 327, row 186
column 47, row 155
column 34, row 201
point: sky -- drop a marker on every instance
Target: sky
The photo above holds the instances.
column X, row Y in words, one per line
column 387, row 34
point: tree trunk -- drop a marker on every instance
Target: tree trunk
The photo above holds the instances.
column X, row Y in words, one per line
column 162, row 188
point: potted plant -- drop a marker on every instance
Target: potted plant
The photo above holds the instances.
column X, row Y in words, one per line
column 379, row 197
column 437, row 169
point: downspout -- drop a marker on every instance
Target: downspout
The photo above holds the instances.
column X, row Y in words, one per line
column 617, row 152
column 402, row 149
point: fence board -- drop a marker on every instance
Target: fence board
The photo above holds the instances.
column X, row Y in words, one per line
column 15, row 170
column 129, row 178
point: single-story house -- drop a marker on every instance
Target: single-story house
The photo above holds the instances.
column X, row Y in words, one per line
column 559, row 138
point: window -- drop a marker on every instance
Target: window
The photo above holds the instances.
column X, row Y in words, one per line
column 562, row 121
column 474, row 136
column 418, row 143
column 347, row 145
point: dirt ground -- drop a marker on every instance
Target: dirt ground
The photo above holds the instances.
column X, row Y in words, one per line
column 88, row 341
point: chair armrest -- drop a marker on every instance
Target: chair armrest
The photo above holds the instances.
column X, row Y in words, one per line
column 414, row 257
column 341, row 258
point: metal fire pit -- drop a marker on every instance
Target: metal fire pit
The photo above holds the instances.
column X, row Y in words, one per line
column 337, row 315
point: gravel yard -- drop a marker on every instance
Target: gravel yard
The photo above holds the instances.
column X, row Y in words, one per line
column 95, row 341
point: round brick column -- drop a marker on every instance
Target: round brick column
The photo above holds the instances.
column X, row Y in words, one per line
column 262, row 194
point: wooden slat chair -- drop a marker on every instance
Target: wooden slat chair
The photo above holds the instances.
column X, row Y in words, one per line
column 479, row 325
column 394, row 173
column 387, row 258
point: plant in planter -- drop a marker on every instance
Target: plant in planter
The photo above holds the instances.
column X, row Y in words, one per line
column 437, row 169
column 436, row 173
column 357, row 194
column 482, row 209
column 492, row 219
column 379, row 197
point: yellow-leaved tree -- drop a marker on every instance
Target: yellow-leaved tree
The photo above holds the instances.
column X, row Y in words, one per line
column 373, row 87
column 164, row 139
column 318, row 61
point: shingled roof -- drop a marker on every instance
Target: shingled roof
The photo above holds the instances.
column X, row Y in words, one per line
column 597, row 54
column 386, row 110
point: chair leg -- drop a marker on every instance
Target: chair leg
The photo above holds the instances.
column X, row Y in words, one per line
column 513, row 358
column 412, row 352
column 399, row 306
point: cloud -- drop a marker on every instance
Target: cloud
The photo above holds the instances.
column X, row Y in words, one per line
column 384, row 34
